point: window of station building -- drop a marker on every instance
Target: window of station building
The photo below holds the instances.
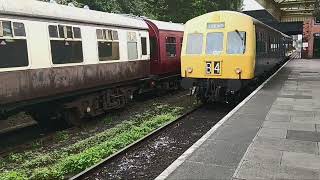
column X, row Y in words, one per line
column 13, row 45
column 144, row 45
column 171, row 46
column 132, row 45
column 108, row 45
column 236, row 42
column 214, row 43
column 194, row 43
column 66, row 44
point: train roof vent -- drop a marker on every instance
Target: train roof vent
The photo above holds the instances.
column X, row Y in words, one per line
column 86, row 7
column 53, row 1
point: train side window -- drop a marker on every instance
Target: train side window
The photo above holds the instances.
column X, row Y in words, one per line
column 7, row 28
column 76, row 33
column 18, row 29
column 108, row 49
column 132, row 46
column 194, row 43
column 236, row 42
column 108, row 34
column 53, row 31
column 62, row 32
column 214, row 43
column 99, row 34
column 67, row 47
column 171, row 46
column 144, row 45
column 115, row 35
column 181, row 42
column 13, row 42
column 69, row 32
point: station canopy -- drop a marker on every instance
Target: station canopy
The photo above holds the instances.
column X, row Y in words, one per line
column 289, row 10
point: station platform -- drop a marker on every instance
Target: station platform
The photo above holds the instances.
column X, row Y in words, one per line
column 275, row 134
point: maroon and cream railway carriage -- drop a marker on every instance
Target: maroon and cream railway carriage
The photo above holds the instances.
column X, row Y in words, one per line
column 62, row 61
column 165, row 48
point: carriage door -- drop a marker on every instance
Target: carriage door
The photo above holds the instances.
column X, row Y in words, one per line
column 144, row 39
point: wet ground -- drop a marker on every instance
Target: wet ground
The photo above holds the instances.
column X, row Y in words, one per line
column 150, row 158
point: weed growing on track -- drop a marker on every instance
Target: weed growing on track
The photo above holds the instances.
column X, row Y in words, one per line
column 83, row 154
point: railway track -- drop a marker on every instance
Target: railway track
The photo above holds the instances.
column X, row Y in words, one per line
column 147, row 154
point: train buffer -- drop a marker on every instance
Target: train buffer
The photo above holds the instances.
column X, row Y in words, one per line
column 275, row 134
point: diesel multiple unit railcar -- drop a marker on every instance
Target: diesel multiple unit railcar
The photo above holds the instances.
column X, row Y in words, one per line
column 66, row 62
column 223, row 51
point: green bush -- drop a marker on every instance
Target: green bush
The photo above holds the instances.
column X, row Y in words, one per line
column 46, row 174
column 13, row 175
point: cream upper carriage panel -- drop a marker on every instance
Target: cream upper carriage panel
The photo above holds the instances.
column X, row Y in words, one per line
column 37, row 9
column 39, row 15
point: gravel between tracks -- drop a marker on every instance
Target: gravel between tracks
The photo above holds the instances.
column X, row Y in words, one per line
column 150, row 158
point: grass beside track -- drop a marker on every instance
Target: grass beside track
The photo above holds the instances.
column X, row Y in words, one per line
column 70, row 160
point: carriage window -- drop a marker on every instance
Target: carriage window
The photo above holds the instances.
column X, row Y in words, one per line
column 108, row 34
column 132, row 50
column 214, row 43
column 132, row 46
column 100, row 34
column 171, row 46
column 69, row 32
column 7, row 30
column 61, row 31
column 144, row 45
column 181, row 42
column 76, row 33
column 19, row 29
column 115, row 35
column 108, row 49
column 53, row 31
column 194, row 44
column 63, row 50
column 236, row 42
column 10, row 44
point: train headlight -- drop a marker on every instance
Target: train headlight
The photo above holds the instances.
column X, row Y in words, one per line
column 238, row 70
column 189, row 69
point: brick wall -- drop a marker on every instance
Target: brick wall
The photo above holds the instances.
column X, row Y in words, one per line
column 309, row 29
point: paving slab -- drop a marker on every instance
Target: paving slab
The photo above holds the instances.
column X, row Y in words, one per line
column 301, row 160
column 272, row 132
column 192, row 170
column 303, row 135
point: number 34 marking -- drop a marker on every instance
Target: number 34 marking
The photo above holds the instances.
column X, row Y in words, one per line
column 216, row 68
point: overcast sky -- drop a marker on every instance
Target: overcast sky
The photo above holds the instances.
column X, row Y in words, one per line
column 250, row 5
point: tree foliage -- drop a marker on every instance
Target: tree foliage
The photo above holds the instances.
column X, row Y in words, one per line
column 166, row 10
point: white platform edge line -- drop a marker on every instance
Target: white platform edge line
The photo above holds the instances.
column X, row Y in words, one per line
column 165, row 174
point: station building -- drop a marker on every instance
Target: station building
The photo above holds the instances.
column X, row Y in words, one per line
column 311, row 38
